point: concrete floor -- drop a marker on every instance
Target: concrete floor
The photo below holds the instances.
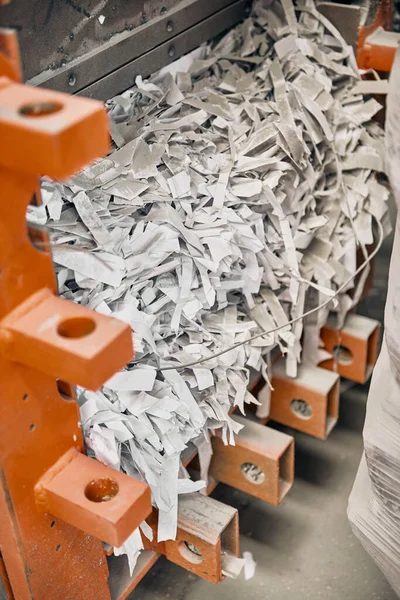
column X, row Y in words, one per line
column 304, row 548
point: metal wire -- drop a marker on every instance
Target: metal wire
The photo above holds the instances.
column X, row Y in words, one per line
column 292, row 321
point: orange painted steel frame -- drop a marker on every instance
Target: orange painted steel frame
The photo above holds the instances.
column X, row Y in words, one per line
column 371, row 56
column 53, row 498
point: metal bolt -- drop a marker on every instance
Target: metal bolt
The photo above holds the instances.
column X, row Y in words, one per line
column 170, row 26
column 171, row 51
column 72, row 79
column 253, row 473
column 193, row 549
column 301, row 408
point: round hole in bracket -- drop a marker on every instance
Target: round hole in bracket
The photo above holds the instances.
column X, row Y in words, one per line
column 40, row 109
column 25, row 397
column 52, row 524
column 163, row 10
column 343, row 355
column 58, row 548
column 102, row 489
column 171, row 51
column 253, row 473
column 76, row 327
column 170, row 26
column 37, row 234
column 65, row 390
column 72, row 79
column 301, row 409
column 32, row 427
column 190, row 552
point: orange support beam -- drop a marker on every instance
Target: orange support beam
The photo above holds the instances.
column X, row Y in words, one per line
column 51, row 495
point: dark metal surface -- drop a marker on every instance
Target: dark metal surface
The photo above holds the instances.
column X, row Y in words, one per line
column 123, row 78
column 69, row 45
column 122, row 48
column 54, row 32
column 346, row 18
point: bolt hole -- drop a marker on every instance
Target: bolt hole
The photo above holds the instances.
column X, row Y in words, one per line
column 190, row 552
column 170, row 26
column 65, row 390
column 72, row 79
column 40, row 109
column 77, row 327
column 343, row 355
column 25, row 397
column 163, row 10
column 301, row 409
column 253, row 473
column 103, row 489
column 52, row 524
column 37, row 233
column 32, row 427
column 58, row 548
column 171, row 51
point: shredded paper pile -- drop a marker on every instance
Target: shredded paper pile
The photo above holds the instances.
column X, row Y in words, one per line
column 242, row 183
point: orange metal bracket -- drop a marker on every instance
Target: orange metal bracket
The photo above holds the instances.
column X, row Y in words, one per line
column 9, row 55
column 94, row 498
column 354, row 348
column 207, row 531
column 261, row 463
column 308, row 403
column 377, row 46
column 65, row 340
column 47, row 554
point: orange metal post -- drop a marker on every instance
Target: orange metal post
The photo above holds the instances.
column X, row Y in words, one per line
column 309, row 403
column 42, row 466
column 97, row 499
column 207, row 532
column 261, row 463
column 354, row 348
column 377, row 47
